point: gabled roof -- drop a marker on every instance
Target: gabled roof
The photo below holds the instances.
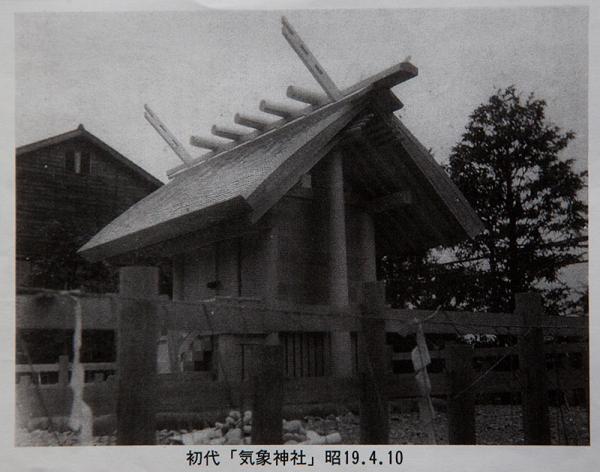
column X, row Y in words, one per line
column 384, row 159
column 81, row 132
column 243, row 181
column 248, row 179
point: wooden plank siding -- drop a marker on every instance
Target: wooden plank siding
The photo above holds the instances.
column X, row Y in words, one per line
column 295, row 228
column 47, row 192
column 306, row 354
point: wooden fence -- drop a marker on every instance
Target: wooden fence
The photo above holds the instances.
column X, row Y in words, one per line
column 139, row 316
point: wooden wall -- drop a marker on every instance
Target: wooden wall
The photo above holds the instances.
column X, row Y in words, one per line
column 302, row 265
column 292, row 256
column 195, row 270
column 287, row 262
column 303, row 255
column 47, row 192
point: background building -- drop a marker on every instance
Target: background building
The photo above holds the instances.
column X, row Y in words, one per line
column 68, row 187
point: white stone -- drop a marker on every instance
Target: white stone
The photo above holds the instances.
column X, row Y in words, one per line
column 234, row 436
column 230, row 421
column 333, row 438
column 293, row 426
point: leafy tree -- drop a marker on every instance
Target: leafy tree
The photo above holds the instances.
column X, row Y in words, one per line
column 508, row 165
column 61, row 268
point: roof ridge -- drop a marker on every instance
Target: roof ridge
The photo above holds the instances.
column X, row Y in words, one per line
column 383, row 80
column 307, row 112
column 80, row 131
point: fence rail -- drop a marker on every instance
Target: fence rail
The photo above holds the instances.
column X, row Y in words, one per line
column 138, row 322
column 194, row 392
column 43, row 368
column 224, row 316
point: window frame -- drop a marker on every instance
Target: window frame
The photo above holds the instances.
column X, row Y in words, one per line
column 78, row 162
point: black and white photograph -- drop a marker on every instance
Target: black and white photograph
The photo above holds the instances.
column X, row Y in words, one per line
column 290, row 236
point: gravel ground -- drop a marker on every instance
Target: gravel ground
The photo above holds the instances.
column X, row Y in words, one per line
column 496, row 424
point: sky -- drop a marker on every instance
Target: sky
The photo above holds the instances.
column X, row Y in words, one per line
column 198, row 68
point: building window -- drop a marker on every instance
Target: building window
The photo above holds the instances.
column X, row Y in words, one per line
column 78, row 162
column 85, row 163
column 70, row 161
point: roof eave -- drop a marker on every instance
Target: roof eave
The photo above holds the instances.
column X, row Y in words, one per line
column 96, row 249
column 81, row 132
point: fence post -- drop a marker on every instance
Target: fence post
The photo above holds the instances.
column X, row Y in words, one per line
column 63, row 370
column 585, row 354
column 532, row 363
column 137, row 351
column 267, row 413
column 461, row 399
column 63, row 379
column 374, row 414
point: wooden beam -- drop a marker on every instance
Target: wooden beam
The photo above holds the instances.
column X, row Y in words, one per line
column 363, row 173
column 338, row 267
column 461, row 401
column 99, row 313
column 306, row 96
column 169, row 138
column 428, row 224
column 453, row 200
column 206, row 143
column 341, row 342
column 374, row 408
column 368, row 172
column 136, row 345
column 389, row 202
column 532, row 364
column 278, row 109
column 268, row 396
column 388, row 78
column 402, row 321
column 189, row 393
column 309, row 60
column 227, row 133
column 366, row 236
column 250, row 122
column 56, row 312
column 275, row 109
column 222, row 318
column 386, row 101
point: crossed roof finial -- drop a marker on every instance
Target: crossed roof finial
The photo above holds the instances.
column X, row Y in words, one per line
column 231, row 138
